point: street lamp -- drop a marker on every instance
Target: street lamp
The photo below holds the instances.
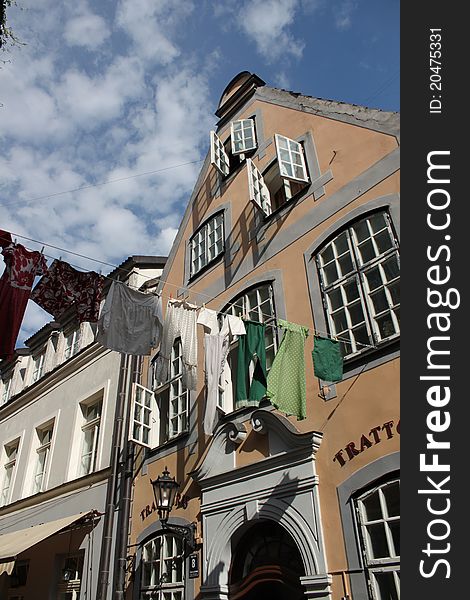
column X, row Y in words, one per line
column 164, row 490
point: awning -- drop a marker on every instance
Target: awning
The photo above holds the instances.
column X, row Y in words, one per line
column 12, row 544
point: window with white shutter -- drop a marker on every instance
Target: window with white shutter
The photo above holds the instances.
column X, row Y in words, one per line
column 219, row 157
column 290, row 155
column 258, row 190
column 243, row 136
column 142, row 415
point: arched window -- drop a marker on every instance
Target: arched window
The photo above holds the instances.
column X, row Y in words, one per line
column 359, row 273
column 378, row 515
column 256, row 304
column 163, row 569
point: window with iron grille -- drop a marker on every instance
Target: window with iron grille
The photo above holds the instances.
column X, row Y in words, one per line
column 70, row 577
column 207, row 243
column 378, row 514
column 163, row 569
column 360, row 278
column 10, row 454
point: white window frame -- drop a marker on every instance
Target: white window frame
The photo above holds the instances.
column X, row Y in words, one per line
column 240, row 127
column 243, row 306
column 38, row 366
column 93, row 425
column 43, row 448
column 158, row 559
column 6, row 390
column 171, row 397
column 257, row 189
column 207, row 243
column 72, row 586
column 286, row 158
column 377, row 566
column 219, row 157
column 9, row 470
column 143, row 413
column 358, row 276
column 72, row 343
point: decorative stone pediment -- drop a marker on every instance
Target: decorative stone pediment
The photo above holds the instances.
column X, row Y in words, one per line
column 282, row 439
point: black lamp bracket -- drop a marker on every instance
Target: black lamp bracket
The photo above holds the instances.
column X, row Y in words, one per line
column 186, row 532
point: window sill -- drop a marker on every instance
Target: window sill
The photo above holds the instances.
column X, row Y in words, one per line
column 206, row 268
column 384, row 352
column 281, row 212
column 174, row 441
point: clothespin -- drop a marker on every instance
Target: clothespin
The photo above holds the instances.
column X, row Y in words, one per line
column 171, row 295
column 203, row 305
column 42, row 249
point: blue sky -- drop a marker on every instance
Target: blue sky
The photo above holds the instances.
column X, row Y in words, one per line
column 112, row 89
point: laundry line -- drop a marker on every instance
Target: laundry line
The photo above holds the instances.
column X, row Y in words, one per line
column 170, row 296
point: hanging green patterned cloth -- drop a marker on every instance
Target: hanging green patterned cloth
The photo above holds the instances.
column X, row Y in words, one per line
column 286, row 379
column 251, row 349
column 327, row 359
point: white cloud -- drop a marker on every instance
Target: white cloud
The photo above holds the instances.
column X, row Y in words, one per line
column 88, row 30
column 150, row 25
column 267, row 23
column 343, row 15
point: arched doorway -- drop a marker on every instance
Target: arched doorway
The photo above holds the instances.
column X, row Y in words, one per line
column 266, row 564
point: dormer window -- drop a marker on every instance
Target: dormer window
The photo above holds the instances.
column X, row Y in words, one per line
column 282, row 180
column 72, row 343
column 38, row 366
column 227, row 156
column 243, row 136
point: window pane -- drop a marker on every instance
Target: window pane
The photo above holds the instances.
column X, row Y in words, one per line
column 391, row 268
column 361, row 230
column 395, row 531
column 377, row 222
column 341, row 243
column 372, row 508
column 345, row 264
column 386, row 586
column 340, row 321
column 373, row 278
column 379, row 300
column 392, row 499
column 336, row 299
column 367, row 251
column 385, row 325
column 378, row 541
column 356, row 314
column 383, row 241
column 331, row 273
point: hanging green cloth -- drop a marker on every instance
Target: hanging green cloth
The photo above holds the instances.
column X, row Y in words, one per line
column 327, row 359
column 251, row 347
column 286, row 379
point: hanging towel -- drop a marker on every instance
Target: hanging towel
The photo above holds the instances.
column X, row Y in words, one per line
column 180, row 321
column 251, row 347
column 63, row 287
column 217, row 370
column 208, row 319
column 286, row 378
column 131, row 321
column 236, row 325
column 327, row 359
column 22, row 266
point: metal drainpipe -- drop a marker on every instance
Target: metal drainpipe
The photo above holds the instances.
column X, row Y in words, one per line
column 108, row 521
column 125, row 497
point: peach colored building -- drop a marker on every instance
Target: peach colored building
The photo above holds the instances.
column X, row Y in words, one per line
column 295, row 216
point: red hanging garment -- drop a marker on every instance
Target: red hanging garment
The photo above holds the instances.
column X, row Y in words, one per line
column 64, row 286
column 22, row 266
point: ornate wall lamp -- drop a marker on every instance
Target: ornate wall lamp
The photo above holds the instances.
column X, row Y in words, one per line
column 165, row 489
